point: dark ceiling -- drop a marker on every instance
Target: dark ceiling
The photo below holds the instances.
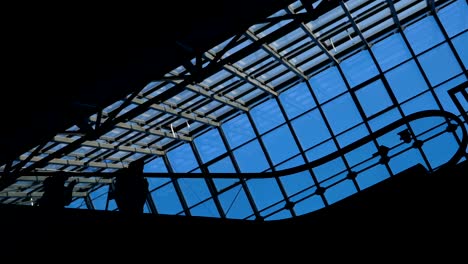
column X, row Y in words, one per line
column 63, row 62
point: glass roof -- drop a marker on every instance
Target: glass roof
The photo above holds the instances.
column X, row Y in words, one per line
column 287, row 91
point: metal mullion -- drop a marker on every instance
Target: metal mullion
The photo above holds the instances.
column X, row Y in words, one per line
column 277, row 56
column 270, row 162
column 242, row 181
column 177, row 188
column 208, row 181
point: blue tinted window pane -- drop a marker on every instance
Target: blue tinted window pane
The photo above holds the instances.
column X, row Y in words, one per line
column 391, row 51
column 352, row 135
column 423, row 102
column 238, row 130
column 280, row 144
column 443, row 95
column 308, row 205
column 440, row 149
column 340, row 191
column 462, row 48
column 406, row 160
column 423, row 34
column 297, row 100
column 267, row 115
column 373, row 98
column 156, row 165
column 439, row 64
column 359, row 68
column 210, row 145
column 327, row 84
column 295, row 182
column 342, row 113
column 182, row 158
column 455, row 17
column 264, row 192
column 78, row 204
column 99, row 197
column 372, row 176
column 329, row 169
column 361, row 154
column 251, row 158
column 384, row 119
column 310, row 129
column 166, row 200
column 224, row 165
column 321, row 150
column 235, row 203
column 406, row 81
column 194, row 190
column 207, row 208
column 283, row 214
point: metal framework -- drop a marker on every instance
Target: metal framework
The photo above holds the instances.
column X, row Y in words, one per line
column 297, row 67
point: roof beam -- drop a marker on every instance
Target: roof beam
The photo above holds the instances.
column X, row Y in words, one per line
column 353, row 23
column 79, row 163
column 244, row 76
column 275, row 55
column 36, row 194
column 215, row 97
column 95, row 144
column 396, row 20
column 168, row 110
column 93, row 180
column 317, row 42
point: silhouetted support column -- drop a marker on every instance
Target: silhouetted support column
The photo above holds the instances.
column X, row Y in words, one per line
column 56, row 195
column 131, row 189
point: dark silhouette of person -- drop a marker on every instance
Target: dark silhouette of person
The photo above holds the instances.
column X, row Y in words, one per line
column 56, row 194
column 131, row 189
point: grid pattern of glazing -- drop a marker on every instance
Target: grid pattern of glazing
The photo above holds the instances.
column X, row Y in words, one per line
column 282, row 93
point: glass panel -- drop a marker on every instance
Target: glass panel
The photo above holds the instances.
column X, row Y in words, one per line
column 210, row 145
column 194, row 190
column 166, row 200
column 264, row 192
column 310, row 129
column 182, row 158
column 406, row 81
column 280, row 144
column 373, row 98
column 439, row 64
column 238, row 130
column 267, row 115
column 99, row 197
column 406, row 160
column 207, row 208
column 224, row 165
column 321, row 150
column 77, row 204
column 432, row 149
column 360, row 154
column 443, row 95
column 251, row 158
column 423, row 34
column 384, row 119
column 340, row 191
column 329, row 169
column 327, row 84
column 295, row 182
column 342, row 113
column 156, row 165
column 352, row 135
column 283, row 214
column 391, row 51
column 423, row 102
column 359, row 68
column 461, row 47
column 372, row 176
column 308, row 205
column 235, row 203
column 454, row 17
column 297, row 100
